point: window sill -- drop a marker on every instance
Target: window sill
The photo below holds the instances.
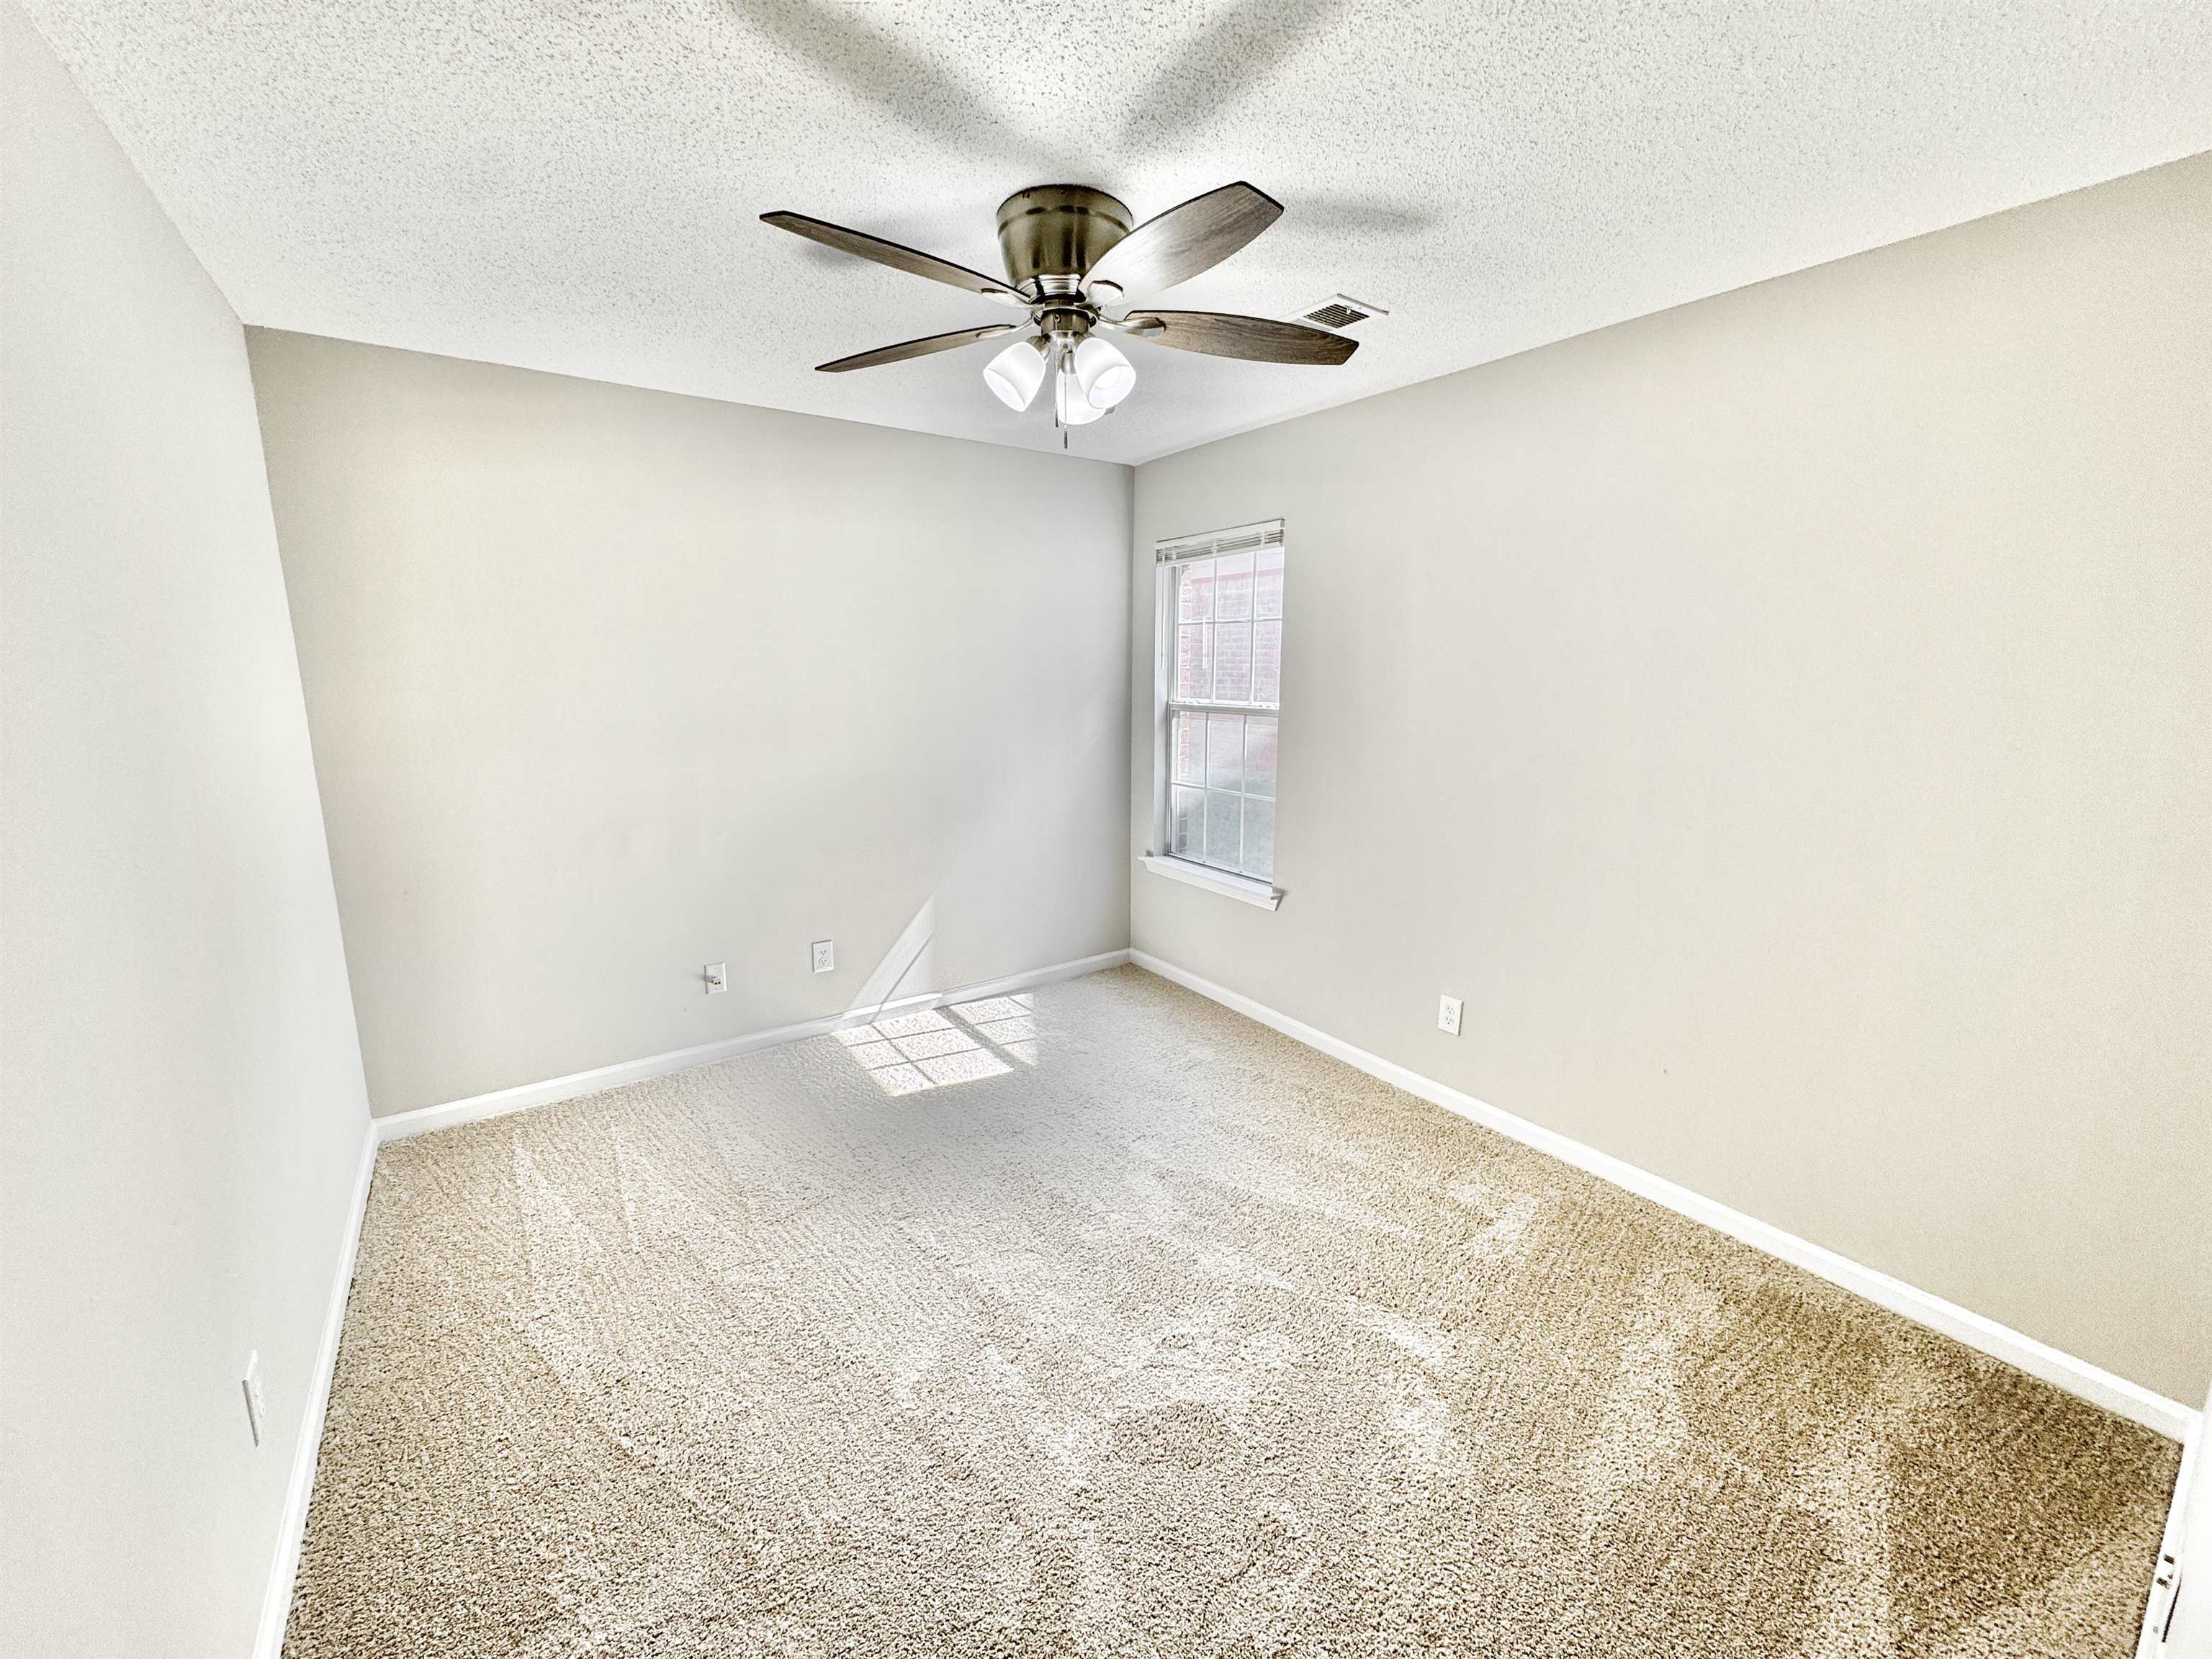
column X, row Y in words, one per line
column 1216, row 881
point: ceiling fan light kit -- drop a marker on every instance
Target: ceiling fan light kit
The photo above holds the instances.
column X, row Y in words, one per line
column 1069, row 406
column 1072, row 257
column 1016, row 373
column 1105, row 375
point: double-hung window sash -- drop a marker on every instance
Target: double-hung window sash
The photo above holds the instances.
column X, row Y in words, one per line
column 1223, row 662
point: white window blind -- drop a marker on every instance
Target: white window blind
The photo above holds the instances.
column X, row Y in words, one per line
column 1223, row 660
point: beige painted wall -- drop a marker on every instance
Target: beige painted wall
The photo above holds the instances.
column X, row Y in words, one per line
column 608, row 684
column 1787, row 722
column 181, row 1107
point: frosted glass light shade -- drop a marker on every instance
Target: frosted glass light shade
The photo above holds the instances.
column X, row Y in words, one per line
column 1105, row 375
column 1069, row 403
column 1015, row 373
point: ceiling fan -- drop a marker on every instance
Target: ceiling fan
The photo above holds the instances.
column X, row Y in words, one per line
column 1071, row 257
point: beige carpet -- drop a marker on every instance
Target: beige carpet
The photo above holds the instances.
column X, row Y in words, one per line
column 1120, row 1325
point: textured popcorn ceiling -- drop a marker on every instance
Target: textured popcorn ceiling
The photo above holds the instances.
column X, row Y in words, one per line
column 574, row 184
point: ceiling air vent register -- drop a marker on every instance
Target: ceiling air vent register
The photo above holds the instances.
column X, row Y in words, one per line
column 1340, row 312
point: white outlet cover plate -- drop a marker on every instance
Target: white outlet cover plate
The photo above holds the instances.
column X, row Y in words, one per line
column 1448, row 1015
column 718, row 978
column 825, row 956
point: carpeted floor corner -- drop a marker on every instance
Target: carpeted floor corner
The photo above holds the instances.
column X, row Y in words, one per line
column 1105, row 1322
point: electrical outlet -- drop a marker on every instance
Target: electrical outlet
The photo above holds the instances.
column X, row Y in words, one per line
column 257, row 1405
column 1448, row 1016
column 718, row 978
column 825, row 956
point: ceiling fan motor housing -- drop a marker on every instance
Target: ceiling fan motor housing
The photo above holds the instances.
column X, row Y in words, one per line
column 1052, row 234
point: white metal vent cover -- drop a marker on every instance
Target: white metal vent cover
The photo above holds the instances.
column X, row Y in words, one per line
column 1341, row 311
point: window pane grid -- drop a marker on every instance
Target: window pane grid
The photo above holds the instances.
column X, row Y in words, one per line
column 1223, row 708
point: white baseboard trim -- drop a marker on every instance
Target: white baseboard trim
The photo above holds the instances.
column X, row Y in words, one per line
column 400, row 1126
column 2173, row 1560
column 276, row 1599
column 2077, row 1376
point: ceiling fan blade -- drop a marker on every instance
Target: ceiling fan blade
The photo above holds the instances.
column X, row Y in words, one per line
column 894, row 255
column 921, row 348
column 1256, row 339
column 1176, row 246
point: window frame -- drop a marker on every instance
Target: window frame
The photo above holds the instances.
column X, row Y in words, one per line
column 1170, row 558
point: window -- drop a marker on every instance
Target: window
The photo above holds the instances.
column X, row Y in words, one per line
column 1221, row 656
